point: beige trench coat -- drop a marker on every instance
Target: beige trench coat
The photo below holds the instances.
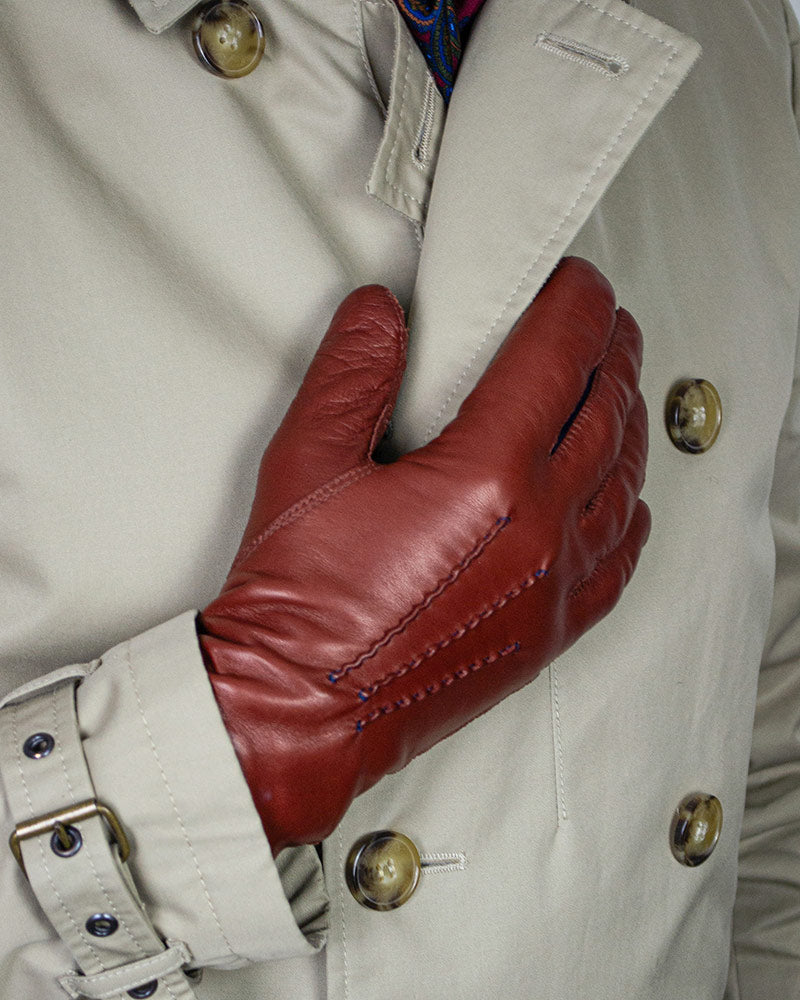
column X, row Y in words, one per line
column 174, row 245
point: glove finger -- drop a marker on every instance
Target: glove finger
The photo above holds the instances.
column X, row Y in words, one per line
column 342, row 407
column 540, row 374
column 595, row 433
column 608, row 513
column 596, row 595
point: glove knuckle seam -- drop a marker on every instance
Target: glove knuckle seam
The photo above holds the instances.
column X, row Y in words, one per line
column 600, row 565
column 595, row 501
column 364, row 694
column 459, row 673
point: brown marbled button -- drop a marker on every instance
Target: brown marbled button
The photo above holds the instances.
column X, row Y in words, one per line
column 382, row 869
column 695, row 829
column 693, row 415
column 228, row 38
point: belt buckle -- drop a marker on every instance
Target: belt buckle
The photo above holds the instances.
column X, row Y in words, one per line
column 58, row 821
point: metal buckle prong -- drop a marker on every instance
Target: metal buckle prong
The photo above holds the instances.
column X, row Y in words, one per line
column 63, row 836
column 57, row 822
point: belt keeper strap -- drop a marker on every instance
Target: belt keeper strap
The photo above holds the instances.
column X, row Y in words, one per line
column 69, row 845
column 115, row 982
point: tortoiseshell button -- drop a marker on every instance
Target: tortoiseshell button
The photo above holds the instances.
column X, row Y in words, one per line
column 695, row 830
column 383, row 869
column 228, row 38
column 693, row 415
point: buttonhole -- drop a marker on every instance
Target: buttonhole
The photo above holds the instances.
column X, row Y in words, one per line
column 422, row 147
column 443, row 862
column 568, row 48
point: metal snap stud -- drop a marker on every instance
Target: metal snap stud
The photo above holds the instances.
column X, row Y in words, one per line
column 66, row 841
column 144, row 991
column 39, row 745
column 102, row 924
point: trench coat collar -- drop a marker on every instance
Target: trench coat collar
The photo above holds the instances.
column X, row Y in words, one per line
column 551, row 99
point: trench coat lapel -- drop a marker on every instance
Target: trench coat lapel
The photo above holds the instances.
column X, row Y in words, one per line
column 552, row 97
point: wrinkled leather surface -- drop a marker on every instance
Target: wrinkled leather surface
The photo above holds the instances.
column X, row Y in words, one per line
column 373, row 610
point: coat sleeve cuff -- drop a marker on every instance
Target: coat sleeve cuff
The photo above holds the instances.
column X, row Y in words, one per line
column 160, row 756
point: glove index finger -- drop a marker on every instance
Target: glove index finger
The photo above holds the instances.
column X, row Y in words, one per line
column 540, row 373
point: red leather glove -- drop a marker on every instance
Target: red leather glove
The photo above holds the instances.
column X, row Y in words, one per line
column 373, row 610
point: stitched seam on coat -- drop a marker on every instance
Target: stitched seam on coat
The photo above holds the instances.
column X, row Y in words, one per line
column 431, row 689
column 305, row 505
column 73, row 798
column 385, row 206
column 88, row 854
column 366, row 693
column 67, row 912
column 630, row 24
column 400, row 119
column 465, row 370
column 362, row 46
column 561, row 797
column 176, row 811
column 394, row 187
column 404, row 194
column 345, row 966
column 113, row 976
column 427, row 600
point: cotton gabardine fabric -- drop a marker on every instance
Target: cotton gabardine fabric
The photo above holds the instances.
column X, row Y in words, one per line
column 175, row 246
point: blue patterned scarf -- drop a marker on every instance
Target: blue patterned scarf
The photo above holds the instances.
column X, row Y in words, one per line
column 440, row 28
